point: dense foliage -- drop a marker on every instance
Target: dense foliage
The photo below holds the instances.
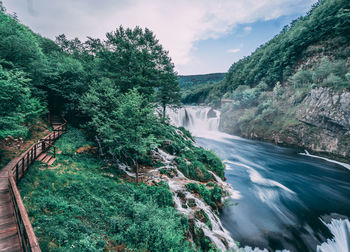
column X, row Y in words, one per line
column 17, row 106
column 112, row 89
column 210, row 196
column 58, row 74
column 82, row 205
column 195, row 88
column 325, row 30
column 189, row 81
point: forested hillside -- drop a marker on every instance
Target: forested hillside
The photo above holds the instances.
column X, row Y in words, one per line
column 325, row 31
column 189, row 81
column 295, row 88
column 110, row 90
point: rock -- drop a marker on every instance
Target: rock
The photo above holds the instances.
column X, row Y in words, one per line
column 191, row 203
column 201, row 216
column 10, row 138
column 167, row 142
column 212, row 113
column 322, row 123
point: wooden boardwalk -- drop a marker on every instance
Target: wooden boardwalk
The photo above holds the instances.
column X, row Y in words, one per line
column 16, row 232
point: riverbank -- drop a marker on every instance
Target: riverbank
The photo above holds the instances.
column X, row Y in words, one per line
column 83, row 202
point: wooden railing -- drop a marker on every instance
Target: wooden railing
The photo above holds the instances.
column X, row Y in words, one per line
column 16, row 172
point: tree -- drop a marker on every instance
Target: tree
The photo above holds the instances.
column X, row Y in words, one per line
column 169, row 91
column 133, row 58
column 17, row 107
column 123, row 122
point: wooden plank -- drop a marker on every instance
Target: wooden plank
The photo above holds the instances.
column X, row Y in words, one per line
column 7, row 222
column 5, row 200
column 52, row 160
column 6, row 212
column 42, row 156
column 10, row 243
column 4, row 190
column 47, row 158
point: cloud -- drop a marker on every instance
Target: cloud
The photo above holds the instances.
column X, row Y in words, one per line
column 177, row 24
column 235, row 50
column 247, row 29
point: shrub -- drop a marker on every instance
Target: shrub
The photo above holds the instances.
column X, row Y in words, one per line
column 211, row 197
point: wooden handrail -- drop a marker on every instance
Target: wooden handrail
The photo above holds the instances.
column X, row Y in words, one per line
column 27, row 234
column 16, row 172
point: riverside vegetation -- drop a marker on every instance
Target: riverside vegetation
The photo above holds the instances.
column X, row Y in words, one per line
column 109, row 91
column 295, row 89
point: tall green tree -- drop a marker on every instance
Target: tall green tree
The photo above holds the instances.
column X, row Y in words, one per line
column 134, row 58
column 122, row 122
column 169, row 92
column 17, row 107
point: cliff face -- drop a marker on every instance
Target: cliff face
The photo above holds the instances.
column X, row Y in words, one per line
column 328, row 112
column 320, row 123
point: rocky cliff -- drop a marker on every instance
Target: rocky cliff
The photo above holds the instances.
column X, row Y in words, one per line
column 319, row 123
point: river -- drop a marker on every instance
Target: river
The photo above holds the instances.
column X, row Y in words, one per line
column 285, row 200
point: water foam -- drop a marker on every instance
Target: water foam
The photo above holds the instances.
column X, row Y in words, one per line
column 340, row 228
column 255, row 177
column 347, row 166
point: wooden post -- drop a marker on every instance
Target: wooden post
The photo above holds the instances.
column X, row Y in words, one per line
column 35, row 151
column 43, row 146
column 17, row 173
column 22, row 166
column 28, row 159
column 54, row 152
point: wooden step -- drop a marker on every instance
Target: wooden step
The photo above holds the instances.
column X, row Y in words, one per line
column 41, row 157
column 52, row 160
column 46, row 159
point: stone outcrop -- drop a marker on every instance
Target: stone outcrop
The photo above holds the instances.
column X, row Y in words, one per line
column 322, row 124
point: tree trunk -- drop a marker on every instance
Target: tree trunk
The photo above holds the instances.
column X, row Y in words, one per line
column 164, row 110
column 137, row 173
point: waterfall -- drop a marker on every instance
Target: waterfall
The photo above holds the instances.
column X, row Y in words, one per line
column 340, row 228
column 198, row 120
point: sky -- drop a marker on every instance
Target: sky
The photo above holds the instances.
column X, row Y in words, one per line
column 202, row 36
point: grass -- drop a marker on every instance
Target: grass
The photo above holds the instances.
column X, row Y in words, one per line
column 82, row 204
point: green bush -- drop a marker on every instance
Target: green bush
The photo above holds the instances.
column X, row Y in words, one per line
column 211, row 197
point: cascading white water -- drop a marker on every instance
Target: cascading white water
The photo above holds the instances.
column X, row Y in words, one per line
column 196, row 119
column 341, row 232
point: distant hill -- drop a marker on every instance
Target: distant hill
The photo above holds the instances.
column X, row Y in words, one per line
column 189, row 81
